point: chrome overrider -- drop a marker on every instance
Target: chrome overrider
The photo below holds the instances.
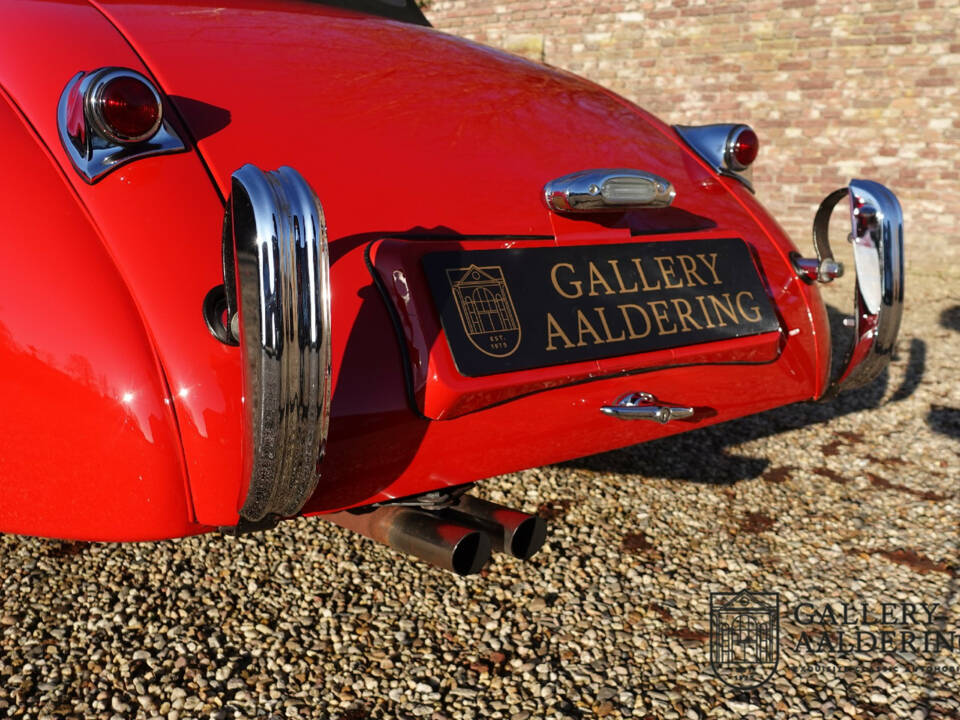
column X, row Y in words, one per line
column 92, row 148
column 276, row 273
column 877, row 238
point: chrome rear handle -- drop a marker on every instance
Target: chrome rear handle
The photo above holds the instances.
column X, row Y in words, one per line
column 643, row 406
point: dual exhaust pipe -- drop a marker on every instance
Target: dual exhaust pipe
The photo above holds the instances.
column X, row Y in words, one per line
column 458, row 538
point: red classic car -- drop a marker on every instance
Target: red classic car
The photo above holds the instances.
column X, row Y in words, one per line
column 267, row 259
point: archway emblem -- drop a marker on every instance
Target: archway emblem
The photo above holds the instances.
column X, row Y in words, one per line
column 744, row 637
column 486, row 309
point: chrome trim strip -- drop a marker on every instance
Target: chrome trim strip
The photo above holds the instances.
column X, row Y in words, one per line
column 276, row 251
column 94, row 151
column 608, row 190
column 713, row 144
column 877, row 238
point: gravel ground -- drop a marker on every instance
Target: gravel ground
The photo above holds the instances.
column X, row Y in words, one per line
column 847, row 502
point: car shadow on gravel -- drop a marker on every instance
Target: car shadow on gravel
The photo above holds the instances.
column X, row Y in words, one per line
column 950, row 318
column 703, row 455
column 944, row 419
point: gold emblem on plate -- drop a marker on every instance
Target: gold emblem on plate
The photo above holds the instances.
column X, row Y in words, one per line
column 486, row 309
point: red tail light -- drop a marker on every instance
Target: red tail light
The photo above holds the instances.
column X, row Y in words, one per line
column 129, row 108
column 742, row 148
column 126, row 109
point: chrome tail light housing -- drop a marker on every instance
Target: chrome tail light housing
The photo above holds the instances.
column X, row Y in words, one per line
column 729, row 149
column 96, row 146
column 277, row 279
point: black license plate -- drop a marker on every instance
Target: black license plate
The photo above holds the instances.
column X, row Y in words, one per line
column 522, row 308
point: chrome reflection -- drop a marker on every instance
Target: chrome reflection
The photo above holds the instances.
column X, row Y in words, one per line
column 276, row 270
column 822, row 270
column 92, row 151
column 877, row 237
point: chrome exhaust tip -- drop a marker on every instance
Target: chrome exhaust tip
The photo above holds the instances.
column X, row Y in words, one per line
column 513, row 533
column 441, row 541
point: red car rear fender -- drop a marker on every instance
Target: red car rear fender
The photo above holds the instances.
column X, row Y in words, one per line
column 88, row 440
column 160, row 220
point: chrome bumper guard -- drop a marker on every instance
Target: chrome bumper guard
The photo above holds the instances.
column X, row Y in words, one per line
column 276, row 273
column 877, row 238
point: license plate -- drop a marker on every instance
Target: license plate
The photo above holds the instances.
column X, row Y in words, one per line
column 523, row 308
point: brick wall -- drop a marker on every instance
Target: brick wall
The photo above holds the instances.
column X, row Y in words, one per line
column 834, row 89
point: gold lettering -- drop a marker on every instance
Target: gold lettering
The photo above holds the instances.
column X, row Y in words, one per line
column 574, row 283
column 597, row 279
column 727, row 310
column 616, row 271
column 643, row 278
column 668, row 273
column 689, row 266
column 684, row 315
column 584, row 326
column 555, row 331
column 634, row 335
column 606, row 327
column 711, row 265
column 755, row 316
column 661, row 317
column 703, row 307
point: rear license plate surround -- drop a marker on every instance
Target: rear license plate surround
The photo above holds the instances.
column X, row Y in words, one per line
column 510, row 309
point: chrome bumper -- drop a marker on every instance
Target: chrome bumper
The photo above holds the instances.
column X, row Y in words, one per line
column 877, row 238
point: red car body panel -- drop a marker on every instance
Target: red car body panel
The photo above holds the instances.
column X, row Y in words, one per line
column 89, row 447
column 404, row 133
column 166, row 243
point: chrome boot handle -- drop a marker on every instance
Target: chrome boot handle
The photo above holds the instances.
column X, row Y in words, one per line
column 608, row 190
column 642, row 406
